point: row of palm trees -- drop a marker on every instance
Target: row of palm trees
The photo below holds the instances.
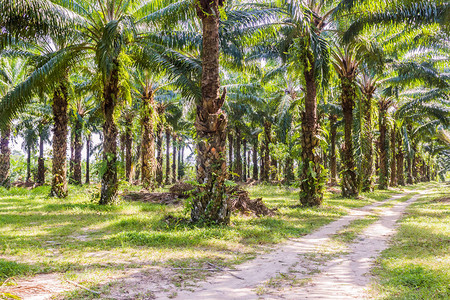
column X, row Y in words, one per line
column 293, row 72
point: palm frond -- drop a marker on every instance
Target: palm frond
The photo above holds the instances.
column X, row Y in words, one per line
column 43, row 78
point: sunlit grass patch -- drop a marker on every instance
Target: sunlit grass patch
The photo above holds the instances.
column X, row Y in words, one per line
column 417, row 265
column 10, row 269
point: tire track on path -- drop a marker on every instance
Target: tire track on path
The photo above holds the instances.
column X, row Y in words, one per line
column 341, row 277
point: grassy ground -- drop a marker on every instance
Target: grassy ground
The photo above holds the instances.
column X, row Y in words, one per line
column 417, row 265
column 40, row 234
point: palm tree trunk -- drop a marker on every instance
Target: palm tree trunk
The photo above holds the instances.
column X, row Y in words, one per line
column 128, row 141
column 230, row 152
column 273, row 169
column 266, row 154
column 237, row 156
column 399, row 159
column 88, row 156
column 349, row 183
column 333, row 165
column 393, row 170
column 409, row 179
column 159, row 158
column 122, row 149
column 383, row 150
column 71, row 159
column 28, row 163
column 128, row 155
column 367, row 153
column 422, row 170
column 41, row 163
column 311, row 188
column 109, row 176
column 167, row 181
column 414, row 166
column 174, row 158
column 78, row 147
column 149, row 165
column 244, row 165
column 59, row 144
column 255, row 159
column 325, row 159
column 249, row 154
column 211, row 202
column 262, row 169
column 180, row 167
column 5, row 153
column 137, row 166
column 377, row 156
column 289, row 170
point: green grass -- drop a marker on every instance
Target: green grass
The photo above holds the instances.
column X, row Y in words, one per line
column 10, row 269
column 91, row 244
column 417, row 265
column 350, row 232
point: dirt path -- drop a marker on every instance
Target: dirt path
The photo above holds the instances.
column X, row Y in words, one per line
column 310, row 267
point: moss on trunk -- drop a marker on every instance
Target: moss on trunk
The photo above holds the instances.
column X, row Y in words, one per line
column 311, row 178
column 41, row 162
column 109, row 172
column 148, row 162
column 59, row 144
column 349, row 182
column 78, row 147
column 393, row 169
column 333, row 164
column 5, row 153
column 383, row 179
column 211, row 203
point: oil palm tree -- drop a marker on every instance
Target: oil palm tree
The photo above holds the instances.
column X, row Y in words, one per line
column 80, row 110
column 383, row 144
column 41, row 113
column 211, row 121
column 334, row 111
column 311, row 56
column 147, row 88
column 367, row 84
column 348, row 59
column 211, row 204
